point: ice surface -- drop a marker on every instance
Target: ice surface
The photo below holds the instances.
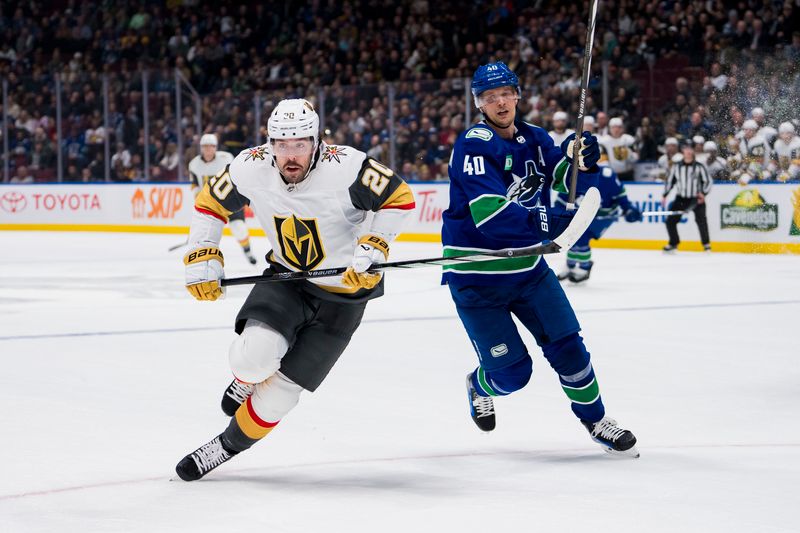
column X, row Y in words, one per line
column 112, row 372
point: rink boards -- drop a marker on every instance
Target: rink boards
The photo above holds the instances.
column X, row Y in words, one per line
column 761, row 218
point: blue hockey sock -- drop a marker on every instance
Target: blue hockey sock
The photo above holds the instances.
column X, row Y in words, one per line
column 570, row 360
column 580, row 256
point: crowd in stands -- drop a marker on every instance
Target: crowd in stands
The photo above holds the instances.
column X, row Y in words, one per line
column 675, row 69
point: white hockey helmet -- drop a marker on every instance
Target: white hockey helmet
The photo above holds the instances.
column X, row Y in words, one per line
column 208, row 139
column 750, row 125
column 293, row 119
column 710, row 146
column 786, row 127
column 560, row 115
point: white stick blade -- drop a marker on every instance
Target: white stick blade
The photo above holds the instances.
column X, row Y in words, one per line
column 585, row 215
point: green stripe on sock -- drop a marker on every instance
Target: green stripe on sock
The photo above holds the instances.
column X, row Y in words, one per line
column 483, row 207
column 484, row 383
column 579, row 256
column 584, row 395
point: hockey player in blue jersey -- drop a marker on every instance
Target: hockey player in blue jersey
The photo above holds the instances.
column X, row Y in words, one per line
column 615, row 204
column 502, row 174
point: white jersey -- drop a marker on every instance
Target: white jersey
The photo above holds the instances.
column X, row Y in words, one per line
column 787, row 154
column 558, row 138
column 665, row 163
column 717, row 168
column 200, row 171
column 754, row 151
column 787, row 157
column 768, row 133
column 314, row 224
column 621, row 156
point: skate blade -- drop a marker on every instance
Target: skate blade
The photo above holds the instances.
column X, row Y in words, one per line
column 632, row 453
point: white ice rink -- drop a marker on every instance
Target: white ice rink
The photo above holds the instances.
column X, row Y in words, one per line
column 111, row 373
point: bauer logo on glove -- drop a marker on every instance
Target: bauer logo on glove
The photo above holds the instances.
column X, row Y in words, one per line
column 204, row 270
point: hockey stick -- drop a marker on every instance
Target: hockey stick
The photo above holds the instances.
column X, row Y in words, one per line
column 587, row 62
column 577, row 226
column 665, row 213
column 181, row 245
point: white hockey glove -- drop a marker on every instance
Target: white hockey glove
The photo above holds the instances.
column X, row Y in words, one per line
column 204, row 269
column 370, row 249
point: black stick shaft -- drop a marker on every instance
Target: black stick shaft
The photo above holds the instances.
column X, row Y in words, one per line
column 587, row 63
column 539, row 249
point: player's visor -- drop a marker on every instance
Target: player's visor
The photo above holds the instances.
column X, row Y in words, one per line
column 506, row 95
column 290, row 147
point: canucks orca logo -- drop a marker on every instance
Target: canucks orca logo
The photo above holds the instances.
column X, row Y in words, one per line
column 527, row 191
column 300, row 242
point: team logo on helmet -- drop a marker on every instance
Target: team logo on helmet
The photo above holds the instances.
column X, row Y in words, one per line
column 301, row 245
column 333, row 153
column 256, row 153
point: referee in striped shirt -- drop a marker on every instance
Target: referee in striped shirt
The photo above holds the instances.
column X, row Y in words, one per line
column 692, row 183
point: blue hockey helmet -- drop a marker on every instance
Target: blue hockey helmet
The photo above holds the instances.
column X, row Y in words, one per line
column 492, row 76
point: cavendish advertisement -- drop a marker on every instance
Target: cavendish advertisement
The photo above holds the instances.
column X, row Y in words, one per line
column 755, row 218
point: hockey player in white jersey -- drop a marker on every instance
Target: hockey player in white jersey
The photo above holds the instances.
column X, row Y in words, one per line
column 670, row 157
column 560, row 130
column 205, row 166
column 699, row 149
column 767, row 132
column 717, row 166
column 756, row 154
column 786, row 153
column 314, row 202
column 619, row 145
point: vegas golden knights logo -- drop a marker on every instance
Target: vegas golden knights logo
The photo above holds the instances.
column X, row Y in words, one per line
column 301, row 245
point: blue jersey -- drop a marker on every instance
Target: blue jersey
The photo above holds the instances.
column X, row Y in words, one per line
column 500, row 192
column 613, row 197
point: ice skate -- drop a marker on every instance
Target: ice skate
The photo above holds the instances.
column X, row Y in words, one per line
column 250, row 257
column 613, row 439
column 670, row 248
column 578, row 274
column 481, row 408
column 235, row 395
column 203, row 460
column 564, row 274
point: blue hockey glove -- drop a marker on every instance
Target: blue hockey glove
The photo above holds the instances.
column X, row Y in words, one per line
column 559, row 219
column 589, row 153
column 633, row 215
